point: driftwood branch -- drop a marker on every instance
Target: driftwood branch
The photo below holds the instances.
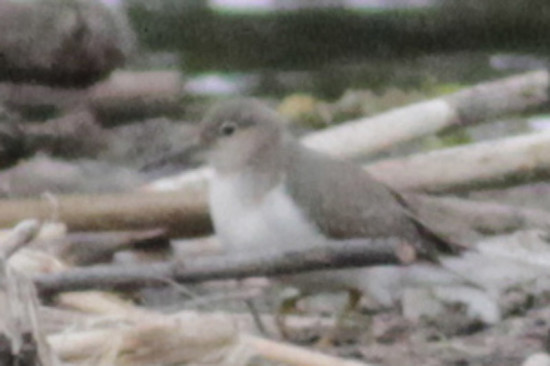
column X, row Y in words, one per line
column 125, row 95
column 466, row 107
column 179, row 214
column 498, row 163
column 374, row 252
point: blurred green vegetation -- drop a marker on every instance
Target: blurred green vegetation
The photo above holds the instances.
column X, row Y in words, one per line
column 313, row 38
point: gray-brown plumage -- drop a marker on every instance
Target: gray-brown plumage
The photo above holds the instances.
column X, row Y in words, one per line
column 253, row 153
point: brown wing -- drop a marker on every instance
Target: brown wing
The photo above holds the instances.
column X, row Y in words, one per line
column 356, row 205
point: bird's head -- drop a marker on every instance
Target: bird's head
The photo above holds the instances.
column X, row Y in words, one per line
column 238, row 132
column 233, row 135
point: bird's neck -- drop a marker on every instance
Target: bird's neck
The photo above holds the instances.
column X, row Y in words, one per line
column 265, row 168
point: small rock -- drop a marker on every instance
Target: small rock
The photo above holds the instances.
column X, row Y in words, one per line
column 63, row 43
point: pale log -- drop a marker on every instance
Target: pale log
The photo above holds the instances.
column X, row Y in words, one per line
column 498, row 163
column 467, row 107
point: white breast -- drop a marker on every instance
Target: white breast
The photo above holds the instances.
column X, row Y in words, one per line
column 243, row 223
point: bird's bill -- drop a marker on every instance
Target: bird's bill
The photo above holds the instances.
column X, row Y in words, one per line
column 193, row 151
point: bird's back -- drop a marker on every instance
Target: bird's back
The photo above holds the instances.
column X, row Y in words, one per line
column 345, row 202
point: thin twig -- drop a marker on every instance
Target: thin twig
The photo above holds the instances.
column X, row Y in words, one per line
column 353, row 254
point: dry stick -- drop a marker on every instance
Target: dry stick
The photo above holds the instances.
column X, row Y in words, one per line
column 356, row 254
column 488, row 164
column 180, row 214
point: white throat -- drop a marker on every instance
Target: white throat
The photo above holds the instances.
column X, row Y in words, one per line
column 244, row 221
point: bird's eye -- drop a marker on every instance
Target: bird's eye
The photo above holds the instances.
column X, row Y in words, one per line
column 228, row 128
